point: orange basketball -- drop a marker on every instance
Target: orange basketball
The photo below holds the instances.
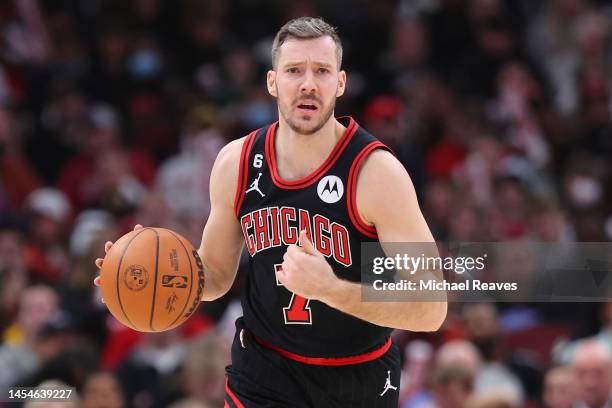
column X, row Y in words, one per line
column 152, row 279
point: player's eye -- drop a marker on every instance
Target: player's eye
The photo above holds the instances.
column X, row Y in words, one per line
column 292, row 70
column 323, row 70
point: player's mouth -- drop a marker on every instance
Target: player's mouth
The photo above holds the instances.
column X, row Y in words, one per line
column 307, row 107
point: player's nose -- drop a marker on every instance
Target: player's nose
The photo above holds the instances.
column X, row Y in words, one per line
column 308, row 82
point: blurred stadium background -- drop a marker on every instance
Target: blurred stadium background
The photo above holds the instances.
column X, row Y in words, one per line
column 112, row 112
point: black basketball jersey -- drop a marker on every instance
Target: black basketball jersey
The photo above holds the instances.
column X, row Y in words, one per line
column 272, row 212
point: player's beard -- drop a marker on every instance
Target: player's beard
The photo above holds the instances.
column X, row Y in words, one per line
column 309, row 128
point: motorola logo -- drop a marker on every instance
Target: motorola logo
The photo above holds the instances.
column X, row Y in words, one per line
column 330, row 189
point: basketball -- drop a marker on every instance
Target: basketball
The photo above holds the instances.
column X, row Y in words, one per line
column 152, row 279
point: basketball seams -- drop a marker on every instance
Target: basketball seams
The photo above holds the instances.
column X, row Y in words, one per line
column 187, row 301
column 133, row 250
column 154, row 279
column 117, row 279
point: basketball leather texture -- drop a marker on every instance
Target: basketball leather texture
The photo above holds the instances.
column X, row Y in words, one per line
column 152, row 279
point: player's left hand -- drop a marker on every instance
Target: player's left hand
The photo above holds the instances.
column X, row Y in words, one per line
column 305, row 271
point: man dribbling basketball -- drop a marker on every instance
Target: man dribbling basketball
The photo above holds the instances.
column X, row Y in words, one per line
column 303, row 194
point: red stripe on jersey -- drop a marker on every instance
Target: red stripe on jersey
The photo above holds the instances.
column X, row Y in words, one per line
column 329, row 361
column 323, row 168
column 243, row 172
column 365, row 229
column 231, row 394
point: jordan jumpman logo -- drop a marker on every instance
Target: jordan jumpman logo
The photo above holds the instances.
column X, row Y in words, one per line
column 388, row 385
column 255, row 186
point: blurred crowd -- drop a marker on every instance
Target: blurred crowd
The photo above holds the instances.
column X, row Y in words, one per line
column 112, row 112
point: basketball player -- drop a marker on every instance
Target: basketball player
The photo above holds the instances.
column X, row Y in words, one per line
column 303, row 194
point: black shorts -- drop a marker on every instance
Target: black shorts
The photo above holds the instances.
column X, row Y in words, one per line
column 260, row 377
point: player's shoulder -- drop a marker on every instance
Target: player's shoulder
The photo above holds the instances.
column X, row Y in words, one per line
column 381, row 163
column 373, row 155
column 227, row 164
column 231, row 151
column 383, row 184
column 225, row 171
column 228, row 160
column 380, row 173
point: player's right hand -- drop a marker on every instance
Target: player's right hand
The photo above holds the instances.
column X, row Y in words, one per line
column 99, row 261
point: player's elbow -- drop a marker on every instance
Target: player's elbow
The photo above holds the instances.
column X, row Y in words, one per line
column 209, row 296
column 214, row 290
column 438, row 315
column 433, row 317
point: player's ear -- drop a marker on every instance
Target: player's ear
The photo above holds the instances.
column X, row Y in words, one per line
column 341, row 83
column 271, row 82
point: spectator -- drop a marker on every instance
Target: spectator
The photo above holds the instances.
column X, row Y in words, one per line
column 483, row 329
column 183, row 179
column 560, row 390
column 46, row 254
column 102, row 390
column 17, row 176
column 491, row 401
column 38, row 304
column 189, row 403
column 58, row 385
column 460, row 353
column 151, row 364
column 548, row 223
column 18, row 355
column 451, row 386
column 592, row 365
column 451, row 379
column 552, row 44
column 105, row 173
column 13, row 273
column 62, row 126
column 204, row 368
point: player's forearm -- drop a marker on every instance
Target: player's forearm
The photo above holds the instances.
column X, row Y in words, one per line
column 414, row 316
column 217, row 280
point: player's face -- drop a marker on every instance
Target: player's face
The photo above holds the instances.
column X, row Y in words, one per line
column 306, row 83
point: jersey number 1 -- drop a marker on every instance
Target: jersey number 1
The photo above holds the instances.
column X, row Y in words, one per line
column 298, row 311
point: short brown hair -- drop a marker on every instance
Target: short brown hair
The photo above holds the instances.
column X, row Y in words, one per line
column 305, row 28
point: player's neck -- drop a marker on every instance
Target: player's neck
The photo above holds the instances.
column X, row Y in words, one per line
column 298, row 155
